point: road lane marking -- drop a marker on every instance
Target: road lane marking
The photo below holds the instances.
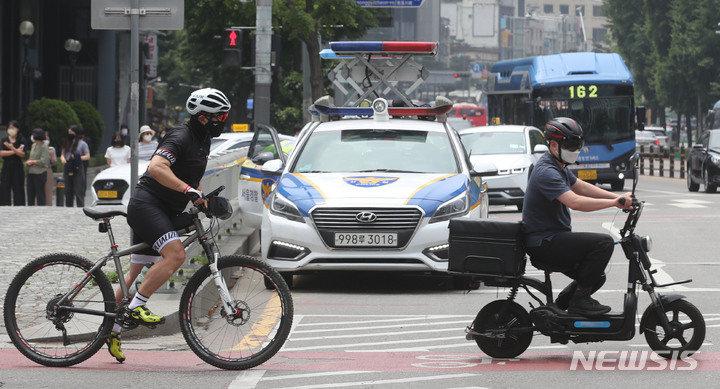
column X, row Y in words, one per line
column 270, row 316
column 247, row 379
column 311, row 375
column 402, row 325
column 384, row 382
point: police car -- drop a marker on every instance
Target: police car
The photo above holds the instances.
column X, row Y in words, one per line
column 362, row 194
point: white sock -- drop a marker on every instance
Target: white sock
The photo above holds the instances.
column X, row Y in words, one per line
column 137, row 301
column 116, row 328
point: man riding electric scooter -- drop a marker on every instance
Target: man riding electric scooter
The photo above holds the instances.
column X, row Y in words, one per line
column 551, row 192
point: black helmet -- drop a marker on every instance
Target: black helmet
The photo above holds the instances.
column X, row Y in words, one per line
column 567, row 132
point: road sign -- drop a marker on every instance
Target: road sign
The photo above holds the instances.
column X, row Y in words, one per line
column 389, row 3
column 155, row 14
column 476, row 67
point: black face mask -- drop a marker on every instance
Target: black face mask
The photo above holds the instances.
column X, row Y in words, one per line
column 71, row 137
column 214, row 128
column 117, row 143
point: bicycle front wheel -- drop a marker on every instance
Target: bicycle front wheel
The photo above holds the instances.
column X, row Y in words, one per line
column 37, row 322
column 255, row 330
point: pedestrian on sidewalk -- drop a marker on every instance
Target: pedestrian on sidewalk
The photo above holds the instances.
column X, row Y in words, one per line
column 118, row 153
column 50, row 181
column 12, row 176
column 74, row 152
column 37, row 168
column 147, row 144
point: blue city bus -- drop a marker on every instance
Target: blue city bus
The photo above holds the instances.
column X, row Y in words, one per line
column 596, row 89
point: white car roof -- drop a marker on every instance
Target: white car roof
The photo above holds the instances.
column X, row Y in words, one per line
column 497, row 128
column 392, row 124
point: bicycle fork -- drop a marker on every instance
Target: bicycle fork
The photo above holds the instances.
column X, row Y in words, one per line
column 226, row 300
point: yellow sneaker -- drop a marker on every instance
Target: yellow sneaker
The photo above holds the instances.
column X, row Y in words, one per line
column 142, row 315
column 114, row 347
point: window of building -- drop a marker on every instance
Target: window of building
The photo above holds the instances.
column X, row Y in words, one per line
column 548, row 8
column 564, row 9
column 598, row 10
column 580, row 9
column 598, row 35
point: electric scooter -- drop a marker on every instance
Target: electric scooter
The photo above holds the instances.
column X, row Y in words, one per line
column 673, row 327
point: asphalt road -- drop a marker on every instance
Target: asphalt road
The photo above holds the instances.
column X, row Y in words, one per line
column 389, row 331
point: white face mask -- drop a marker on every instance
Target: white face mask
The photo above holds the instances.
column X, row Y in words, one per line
column 147, row 137
column 12, row 131
column 569, row 156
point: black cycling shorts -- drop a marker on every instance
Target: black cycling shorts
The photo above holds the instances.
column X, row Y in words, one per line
column 151, row 221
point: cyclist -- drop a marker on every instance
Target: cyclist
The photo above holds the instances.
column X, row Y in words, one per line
column 162, row 192
column 551, row 192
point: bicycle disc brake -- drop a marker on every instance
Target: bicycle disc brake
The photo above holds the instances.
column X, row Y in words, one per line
column 240, row 316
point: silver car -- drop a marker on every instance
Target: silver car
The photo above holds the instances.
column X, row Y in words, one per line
column 513, row 149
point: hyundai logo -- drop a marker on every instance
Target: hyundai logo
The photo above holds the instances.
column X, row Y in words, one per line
column 366, row 217
column 108, row 185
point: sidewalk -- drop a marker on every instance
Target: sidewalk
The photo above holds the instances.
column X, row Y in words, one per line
column 29, row 232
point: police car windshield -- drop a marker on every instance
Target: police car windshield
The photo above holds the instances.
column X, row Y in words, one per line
column 365, row 150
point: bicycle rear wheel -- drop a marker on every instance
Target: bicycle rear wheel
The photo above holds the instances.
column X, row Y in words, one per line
column 34, row 322
column 254, row 332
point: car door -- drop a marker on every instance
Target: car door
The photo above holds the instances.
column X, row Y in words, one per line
column 254, row 186
column 697, row 156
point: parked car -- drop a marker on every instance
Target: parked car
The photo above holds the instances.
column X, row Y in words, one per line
column 660, row 135
column 514, row 150
column 459, row 123
column 111, row 186
column 646, row 139
column 369, row 194
column 703, row 163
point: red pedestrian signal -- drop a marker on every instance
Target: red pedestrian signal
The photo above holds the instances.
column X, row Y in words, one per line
column 232, row 47
column 456, row 75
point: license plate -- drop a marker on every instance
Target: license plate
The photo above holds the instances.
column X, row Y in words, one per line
column 107, row 194
column 587, row 174
column 355, row 239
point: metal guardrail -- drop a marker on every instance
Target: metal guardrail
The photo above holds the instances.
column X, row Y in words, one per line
column 670, row 161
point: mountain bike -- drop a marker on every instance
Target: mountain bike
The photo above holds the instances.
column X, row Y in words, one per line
column 235, row 312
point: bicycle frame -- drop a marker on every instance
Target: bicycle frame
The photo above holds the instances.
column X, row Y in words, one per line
column 197, row 232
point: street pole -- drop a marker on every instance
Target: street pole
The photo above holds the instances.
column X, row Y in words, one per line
column 134, row 90
column 263, row 73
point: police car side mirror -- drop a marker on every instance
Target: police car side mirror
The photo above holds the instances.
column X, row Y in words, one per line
column 540, row 148
column 484, row 169
column 272, row 168
column 263, row 157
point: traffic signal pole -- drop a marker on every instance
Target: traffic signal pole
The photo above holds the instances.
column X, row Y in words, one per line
column 263, row 72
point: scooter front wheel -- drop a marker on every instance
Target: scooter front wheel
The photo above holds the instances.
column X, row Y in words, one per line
column 506, row 328
column 686, row 336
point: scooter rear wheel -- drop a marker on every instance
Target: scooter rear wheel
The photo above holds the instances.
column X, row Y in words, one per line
column 689, row 326
column 501, row 317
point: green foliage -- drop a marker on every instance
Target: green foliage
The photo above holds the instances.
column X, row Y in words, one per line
column 53, row 116
column 91, row 121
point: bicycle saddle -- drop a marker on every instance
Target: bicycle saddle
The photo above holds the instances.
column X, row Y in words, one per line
column 96, row 215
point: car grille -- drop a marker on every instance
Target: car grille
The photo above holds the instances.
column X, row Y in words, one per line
column 403, row 221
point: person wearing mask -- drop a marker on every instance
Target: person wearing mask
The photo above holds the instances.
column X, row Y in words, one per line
column 118, row 153
column 147, row 145
column 12, row 176
column 74, row 152
column 125, row 132
column 552, row 191
column 50, row 181
column 37, row 168
column 162, row 192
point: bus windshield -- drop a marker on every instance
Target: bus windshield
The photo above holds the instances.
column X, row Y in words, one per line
column 604, row 120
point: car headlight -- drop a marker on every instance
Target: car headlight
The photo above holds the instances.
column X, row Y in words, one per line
column 505, row 172
column 281, row 206
column 715, row 159
column 458, row 206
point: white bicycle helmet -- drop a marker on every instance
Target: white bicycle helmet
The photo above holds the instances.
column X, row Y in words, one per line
column 208, row 100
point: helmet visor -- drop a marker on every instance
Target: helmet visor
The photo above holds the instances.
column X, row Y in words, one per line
column 572, row 144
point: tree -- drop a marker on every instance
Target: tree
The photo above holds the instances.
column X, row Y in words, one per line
column 91, row 121
column 53, row 116
column 313, row 20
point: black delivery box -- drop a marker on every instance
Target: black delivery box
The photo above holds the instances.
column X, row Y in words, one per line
column 488, row 247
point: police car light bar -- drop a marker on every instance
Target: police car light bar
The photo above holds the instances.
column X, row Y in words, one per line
column 443, row 106
column 370, row 47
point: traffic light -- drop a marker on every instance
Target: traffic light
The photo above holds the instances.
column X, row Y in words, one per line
column 461, row 75
column 232, row 47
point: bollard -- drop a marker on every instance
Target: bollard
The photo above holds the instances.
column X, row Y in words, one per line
column 662, row 162
column 682, row 161
column 60, row 193
column 652, row 164
column 642, row 160
column 672, row 162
